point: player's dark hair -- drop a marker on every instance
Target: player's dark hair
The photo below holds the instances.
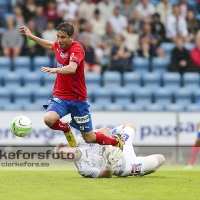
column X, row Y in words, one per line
column 66, row 27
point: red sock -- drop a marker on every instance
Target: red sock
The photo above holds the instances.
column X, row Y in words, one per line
column 103, row 139
column 58, row 125
column 193, row 155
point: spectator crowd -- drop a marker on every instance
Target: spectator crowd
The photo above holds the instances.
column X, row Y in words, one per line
column 112, row 32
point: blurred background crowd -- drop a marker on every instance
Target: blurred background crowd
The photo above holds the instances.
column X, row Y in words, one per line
column 112, row 32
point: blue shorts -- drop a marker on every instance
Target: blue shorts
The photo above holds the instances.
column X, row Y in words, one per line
column 198, row 135
column 80, row 112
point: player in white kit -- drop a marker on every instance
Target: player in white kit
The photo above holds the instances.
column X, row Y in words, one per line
column 96, row 161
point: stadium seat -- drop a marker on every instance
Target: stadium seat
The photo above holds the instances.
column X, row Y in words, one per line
column 183, row 97
column 102, row 96
column 198, row 17
column 93, row 79
column 131, row 79
column 49, row 80
column 160, row 65
column 32, row 80
column 172, row 81
column 41, row 96
column 22, row 64
column 193, row 107
column 122, row 96
column 12, row 81
column 167, row 47
column 39, row 61
column 174, row 107
column 5, row 64
column 196, row 95
column 191, row 80
column 22, row 97
column 5, row 97
column 111, row 80
column 152, row 81
column 12, row 107
column 134, row 107
column 143, row 97
column 163, row 96
column 113, row 107
column 96, row 107
column 189, row 46
column 154, row 107
column 140, row 64
column 154, row 2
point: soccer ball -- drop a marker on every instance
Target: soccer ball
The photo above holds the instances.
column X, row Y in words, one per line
column 21, row 126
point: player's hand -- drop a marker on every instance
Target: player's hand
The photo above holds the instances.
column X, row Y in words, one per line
column 25, row 31
column 48, row 69
column 111, row 155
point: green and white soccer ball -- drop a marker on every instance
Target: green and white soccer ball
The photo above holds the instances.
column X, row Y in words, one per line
column 21, row 126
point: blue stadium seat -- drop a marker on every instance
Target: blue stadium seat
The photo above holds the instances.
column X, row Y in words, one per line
column 122, row 96
column 93, row 79
column 132, row 79
column 111, row 79
column 96, row 107
column 163, row 96
column 196, row 95
column 49, row 80
column 167, row 47
column 1, row 80
column 41, row 96
column 175, row 107
column 4, row 2
column 13, row 81
column 152, row 81
column 113, row 107
column 191, row 80
column 22, row 64
column 172, row 81
column 197, row 17
column 183, row 97
column 12, row 107
column 174, row 2
column 140, row 64
column 143, row 97
column 160, row 64
column 189, row 46
column 5, row 64
column 22, row 96
column 39, row 61
column 193, row 107
column 154, row 2
column 134, row 107
column 5, row 97
column 154, row 107
column 32, row 80
column 102, row 96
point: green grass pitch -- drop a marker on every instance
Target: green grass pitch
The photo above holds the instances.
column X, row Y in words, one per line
column 170, row 182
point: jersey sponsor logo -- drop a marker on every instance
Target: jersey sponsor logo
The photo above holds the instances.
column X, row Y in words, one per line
column 60, row 65
column 57, row 100
column 63, row 55
column 136, row 169
column 73, row 57
column 82, row 120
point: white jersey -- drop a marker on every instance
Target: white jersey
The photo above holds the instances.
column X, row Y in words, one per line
column 92, row 163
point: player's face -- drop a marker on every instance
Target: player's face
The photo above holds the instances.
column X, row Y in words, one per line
column 64, row 41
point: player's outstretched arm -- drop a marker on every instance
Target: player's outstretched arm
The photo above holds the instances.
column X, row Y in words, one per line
column 69, row 69
column 44, row 43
